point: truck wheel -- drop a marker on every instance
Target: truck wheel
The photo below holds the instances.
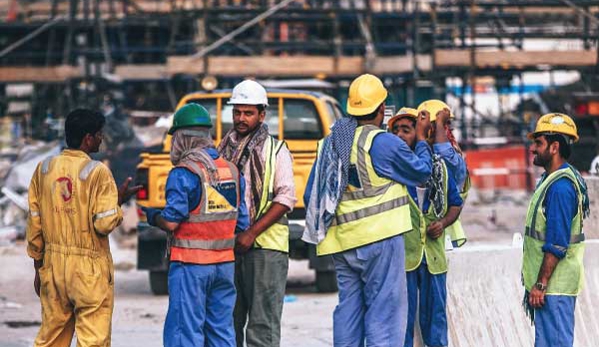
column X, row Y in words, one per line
column 326, row 281
column 159, row 282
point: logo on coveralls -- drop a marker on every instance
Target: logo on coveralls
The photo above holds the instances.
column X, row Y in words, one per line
column 65, row 186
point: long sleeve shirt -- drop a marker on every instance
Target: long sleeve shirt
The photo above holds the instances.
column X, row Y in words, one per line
column 183, row 192
column 454, row 161
column 73, row 202
column 392, row 158
column 561, row 206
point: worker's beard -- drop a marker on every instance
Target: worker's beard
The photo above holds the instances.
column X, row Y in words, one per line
column 542, row 158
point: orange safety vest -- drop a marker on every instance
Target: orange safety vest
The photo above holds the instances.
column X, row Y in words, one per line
column 208, row 236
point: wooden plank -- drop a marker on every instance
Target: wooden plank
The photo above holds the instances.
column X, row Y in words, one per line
column 401, row 64
column 39, row 74
column 142, row 72
column 270, row 66
column 506, row 59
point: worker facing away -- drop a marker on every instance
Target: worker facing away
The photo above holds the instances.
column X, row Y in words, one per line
column 433, row 207
column 357, row 209
column 445, row 146
column 262, row 259
column 204, row 207
column 73, row 205
column 552, row 267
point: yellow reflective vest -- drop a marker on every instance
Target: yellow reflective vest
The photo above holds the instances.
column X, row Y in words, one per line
column 277, row 236
column 73, row 204
column 456, row 230
column 417, row 241
column 568, row 276
column 375, row 211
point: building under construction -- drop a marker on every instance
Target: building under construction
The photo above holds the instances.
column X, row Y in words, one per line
column 145, row 54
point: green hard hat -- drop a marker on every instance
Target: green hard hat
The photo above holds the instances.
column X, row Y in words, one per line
column 190, row 115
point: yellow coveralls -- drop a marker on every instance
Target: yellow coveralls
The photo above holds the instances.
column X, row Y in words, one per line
column 73, row 206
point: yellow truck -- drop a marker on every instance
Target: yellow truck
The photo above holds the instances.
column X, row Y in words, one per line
column 301, row 118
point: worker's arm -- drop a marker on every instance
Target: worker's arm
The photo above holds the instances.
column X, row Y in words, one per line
column 393, row 159
column 283, row 201
column 455, row 203
column 243, row 215
column 456, row 165
column 182, row 190
column 35, row 239
column 105, row 209
column 561, row 206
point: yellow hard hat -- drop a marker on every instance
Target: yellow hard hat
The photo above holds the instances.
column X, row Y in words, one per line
column 433, row 106
column 403, row 112
column 366, row 93
column 555, row 123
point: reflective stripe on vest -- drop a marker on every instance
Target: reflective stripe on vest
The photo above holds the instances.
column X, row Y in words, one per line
column 567, row 277
column 277, row 236
column 208, row 236
column 376, row 210
column 417, row 242
column 456, row 230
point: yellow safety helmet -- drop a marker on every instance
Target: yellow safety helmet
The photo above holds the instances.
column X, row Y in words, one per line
column 366, row 93
column 403, row 112
column 555, row 123
column 433, row 106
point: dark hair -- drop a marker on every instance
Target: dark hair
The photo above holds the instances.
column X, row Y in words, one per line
column 370, row 116
column 564, row 146
column 261, row 108
column 81, row 122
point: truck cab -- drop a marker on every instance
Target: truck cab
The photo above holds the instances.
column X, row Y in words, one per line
column 300, row 118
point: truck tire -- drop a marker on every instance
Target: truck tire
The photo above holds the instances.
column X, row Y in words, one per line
column 326, row 281
column 159, row 282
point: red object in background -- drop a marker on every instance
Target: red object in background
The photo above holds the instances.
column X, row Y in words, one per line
column 12, row 13
column 582, row 109
column 501, row 168
column 142, row 194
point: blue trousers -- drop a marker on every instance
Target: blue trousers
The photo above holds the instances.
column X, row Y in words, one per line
column 427, row 293
column 554, row 323
column 373, row 305
column 200, row 306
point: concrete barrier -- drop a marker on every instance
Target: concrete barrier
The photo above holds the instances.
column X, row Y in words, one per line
column 485, row 298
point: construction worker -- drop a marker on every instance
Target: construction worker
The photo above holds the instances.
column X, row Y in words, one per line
column 73, row 205
column 262, row 260
column 552, row 267
column 357, row 210
column 446, row 146
column 203, row 209
column 433, row 206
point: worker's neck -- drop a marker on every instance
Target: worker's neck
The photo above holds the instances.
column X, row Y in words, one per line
column 554, row 165
column 374, row 122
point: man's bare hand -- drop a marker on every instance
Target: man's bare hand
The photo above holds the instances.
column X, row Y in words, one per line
column 423, row 125
column 536, row 298
column 442, row 117
column 126, row 192
column 435, row 229
column 244, row 241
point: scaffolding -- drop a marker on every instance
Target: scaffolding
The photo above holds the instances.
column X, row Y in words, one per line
column 154, row 51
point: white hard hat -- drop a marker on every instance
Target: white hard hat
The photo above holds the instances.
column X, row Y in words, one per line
column 248, row 92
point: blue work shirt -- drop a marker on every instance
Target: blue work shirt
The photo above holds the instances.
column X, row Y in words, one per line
column 393, row 159
column 454, row 161
column 561, row 206
column 183, row 193
column 453, row 195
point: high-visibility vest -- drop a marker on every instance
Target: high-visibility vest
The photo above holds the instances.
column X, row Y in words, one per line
column 277, row 236
column 419, row 244
column 208, row 235
column 456, row 230
column 375, row 211
column 568, row 276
